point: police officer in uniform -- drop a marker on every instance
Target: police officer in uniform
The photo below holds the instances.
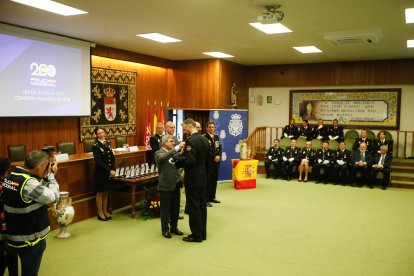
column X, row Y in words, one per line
column 342, row 158
column 27, row 191
column 319, row 131
column 290, row 159
column 274, row 156
column 214, row 163
column 290, row 131
column 196, row 157
column 155, row 141
column 323, row 159
column 335, row 131
column 104, row 170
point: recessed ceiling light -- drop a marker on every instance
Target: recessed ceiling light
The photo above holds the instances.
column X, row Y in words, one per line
column 218, row 54
column 409, row 15
column 307, row 49
column 159, row 37
column 410, row 43
column 275, row 28
column 51, row 6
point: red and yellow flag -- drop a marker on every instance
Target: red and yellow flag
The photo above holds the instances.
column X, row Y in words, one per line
column 161, row 120
column 147, row 131
column 155, row 120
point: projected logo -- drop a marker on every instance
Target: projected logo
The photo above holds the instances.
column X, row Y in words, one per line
column 110, row 104
column 42, row 75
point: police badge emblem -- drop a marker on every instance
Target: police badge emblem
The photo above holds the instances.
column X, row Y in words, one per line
column 235, row 125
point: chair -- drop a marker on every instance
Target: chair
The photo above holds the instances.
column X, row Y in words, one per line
column 333, row 145
column 388, row 135
column 17, row 152
column 351, row 134
column 316, row 144
column 371, row 135
column 87, row 145
column 66, row 147
column 301, row 143
column 120, row 141
column 349, row 143
column 284, row 143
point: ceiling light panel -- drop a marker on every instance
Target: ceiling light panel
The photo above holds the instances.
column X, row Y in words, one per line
column 218, row 54
column 307, row 49
column 409, row 15
column 51, row 6
column 275, row 28
column 159, row 37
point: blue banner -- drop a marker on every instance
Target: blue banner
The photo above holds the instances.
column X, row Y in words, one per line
column 231, row 127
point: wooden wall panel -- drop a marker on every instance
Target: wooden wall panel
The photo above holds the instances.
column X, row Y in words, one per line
column 378, row 72
column 230, row 73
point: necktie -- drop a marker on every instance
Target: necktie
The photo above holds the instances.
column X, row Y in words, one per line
column 382, row 159
column 362, row 157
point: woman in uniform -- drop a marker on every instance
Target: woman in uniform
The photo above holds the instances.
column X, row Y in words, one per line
column 104, row 170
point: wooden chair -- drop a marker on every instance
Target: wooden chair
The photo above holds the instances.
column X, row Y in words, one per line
column 351, row 134
column 120, row 141
column 87, row 145
column 16, row 152
column 301, row 143
column 284, row 143
column 68, row 147
column 371, row 135
column 333, row 145
column 316, row 144
column 349, row 143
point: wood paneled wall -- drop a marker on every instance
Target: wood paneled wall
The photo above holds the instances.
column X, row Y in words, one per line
column 378, row 72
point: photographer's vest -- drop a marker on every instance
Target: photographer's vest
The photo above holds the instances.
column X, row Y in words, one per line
column 27, row 220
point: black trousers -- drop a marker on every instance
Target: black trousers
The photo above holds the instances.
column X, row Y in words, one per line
column 212, row 179
column 326, row 171
column 169, row 208
column 385, row 181
column 276, row 166
column 364, row 174
column 197, row 211
column 340, row 173
column 8, row 259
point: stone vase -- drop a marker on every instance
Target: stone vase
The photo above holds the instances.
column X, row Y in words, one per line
column 64, row 215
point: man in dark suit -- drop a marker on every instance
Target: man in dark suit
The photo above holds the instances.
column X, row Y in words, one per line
column 363, row 139
column 169, row 184
column 382, row 142
column 155, row 141
column 290, row 159
column 305, row 131
column 274, row 156
column 360, row 162
column 319, row 131
column 196, row 154
column 336, row 132
column 382, row 163
column 342, row 158
column 213, row 164
column 290, row 131
column 323, row 159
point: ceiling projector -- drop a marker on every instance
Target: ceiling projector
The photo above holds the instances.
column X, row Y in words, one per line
column 268, row 18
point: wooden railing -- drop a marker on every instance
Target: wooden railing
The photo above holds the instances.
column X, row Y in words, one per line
column 262, row 138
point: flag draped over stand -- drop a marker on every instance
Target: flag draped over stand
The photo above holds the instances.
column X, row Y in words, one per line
column 147, row 131
column 244, row 173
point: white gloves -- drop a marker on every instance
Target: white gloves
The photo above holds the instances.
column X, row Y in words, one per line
column 336, row 137
column 340, row 162
column 330, row 137
column 326, row 162
column 285, row 134
column 284, row 158
column 319, row 137
column 319, row 161
column 319, row 127
column 270, row 157
column 291, row 136
column 291, row 159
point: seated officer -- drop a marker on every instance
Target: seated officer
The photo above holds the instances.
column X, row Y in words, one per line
column 323, row 159
column 360, row 162
column 363, row 139
column 336, row 132
column 319, row 131
column 305, row 131
column 306, row 159
column 342, row 158
column 290, row 156
column 382, row 163
column 274, row 156
column 290, row 131
column 382, row 142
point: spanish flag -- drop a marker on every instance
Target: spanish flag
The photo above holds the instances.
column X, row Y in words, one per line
column 155, row 120
column 147, row 131
column 244, row 173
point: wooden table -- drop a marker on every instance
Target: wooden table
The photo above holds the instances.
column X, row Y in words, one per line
column 133, row 184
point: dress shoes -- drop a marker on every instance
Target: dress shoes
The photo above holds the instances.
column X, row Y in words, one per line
column 267, row 176
column 191, row 239
column 300, row 180
column 208, row 204
column 214, row 201
column 108, row 217
column 384, row 188
column 305, row 180
column 176, row 232
column 102, row 219
column 166, row 234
